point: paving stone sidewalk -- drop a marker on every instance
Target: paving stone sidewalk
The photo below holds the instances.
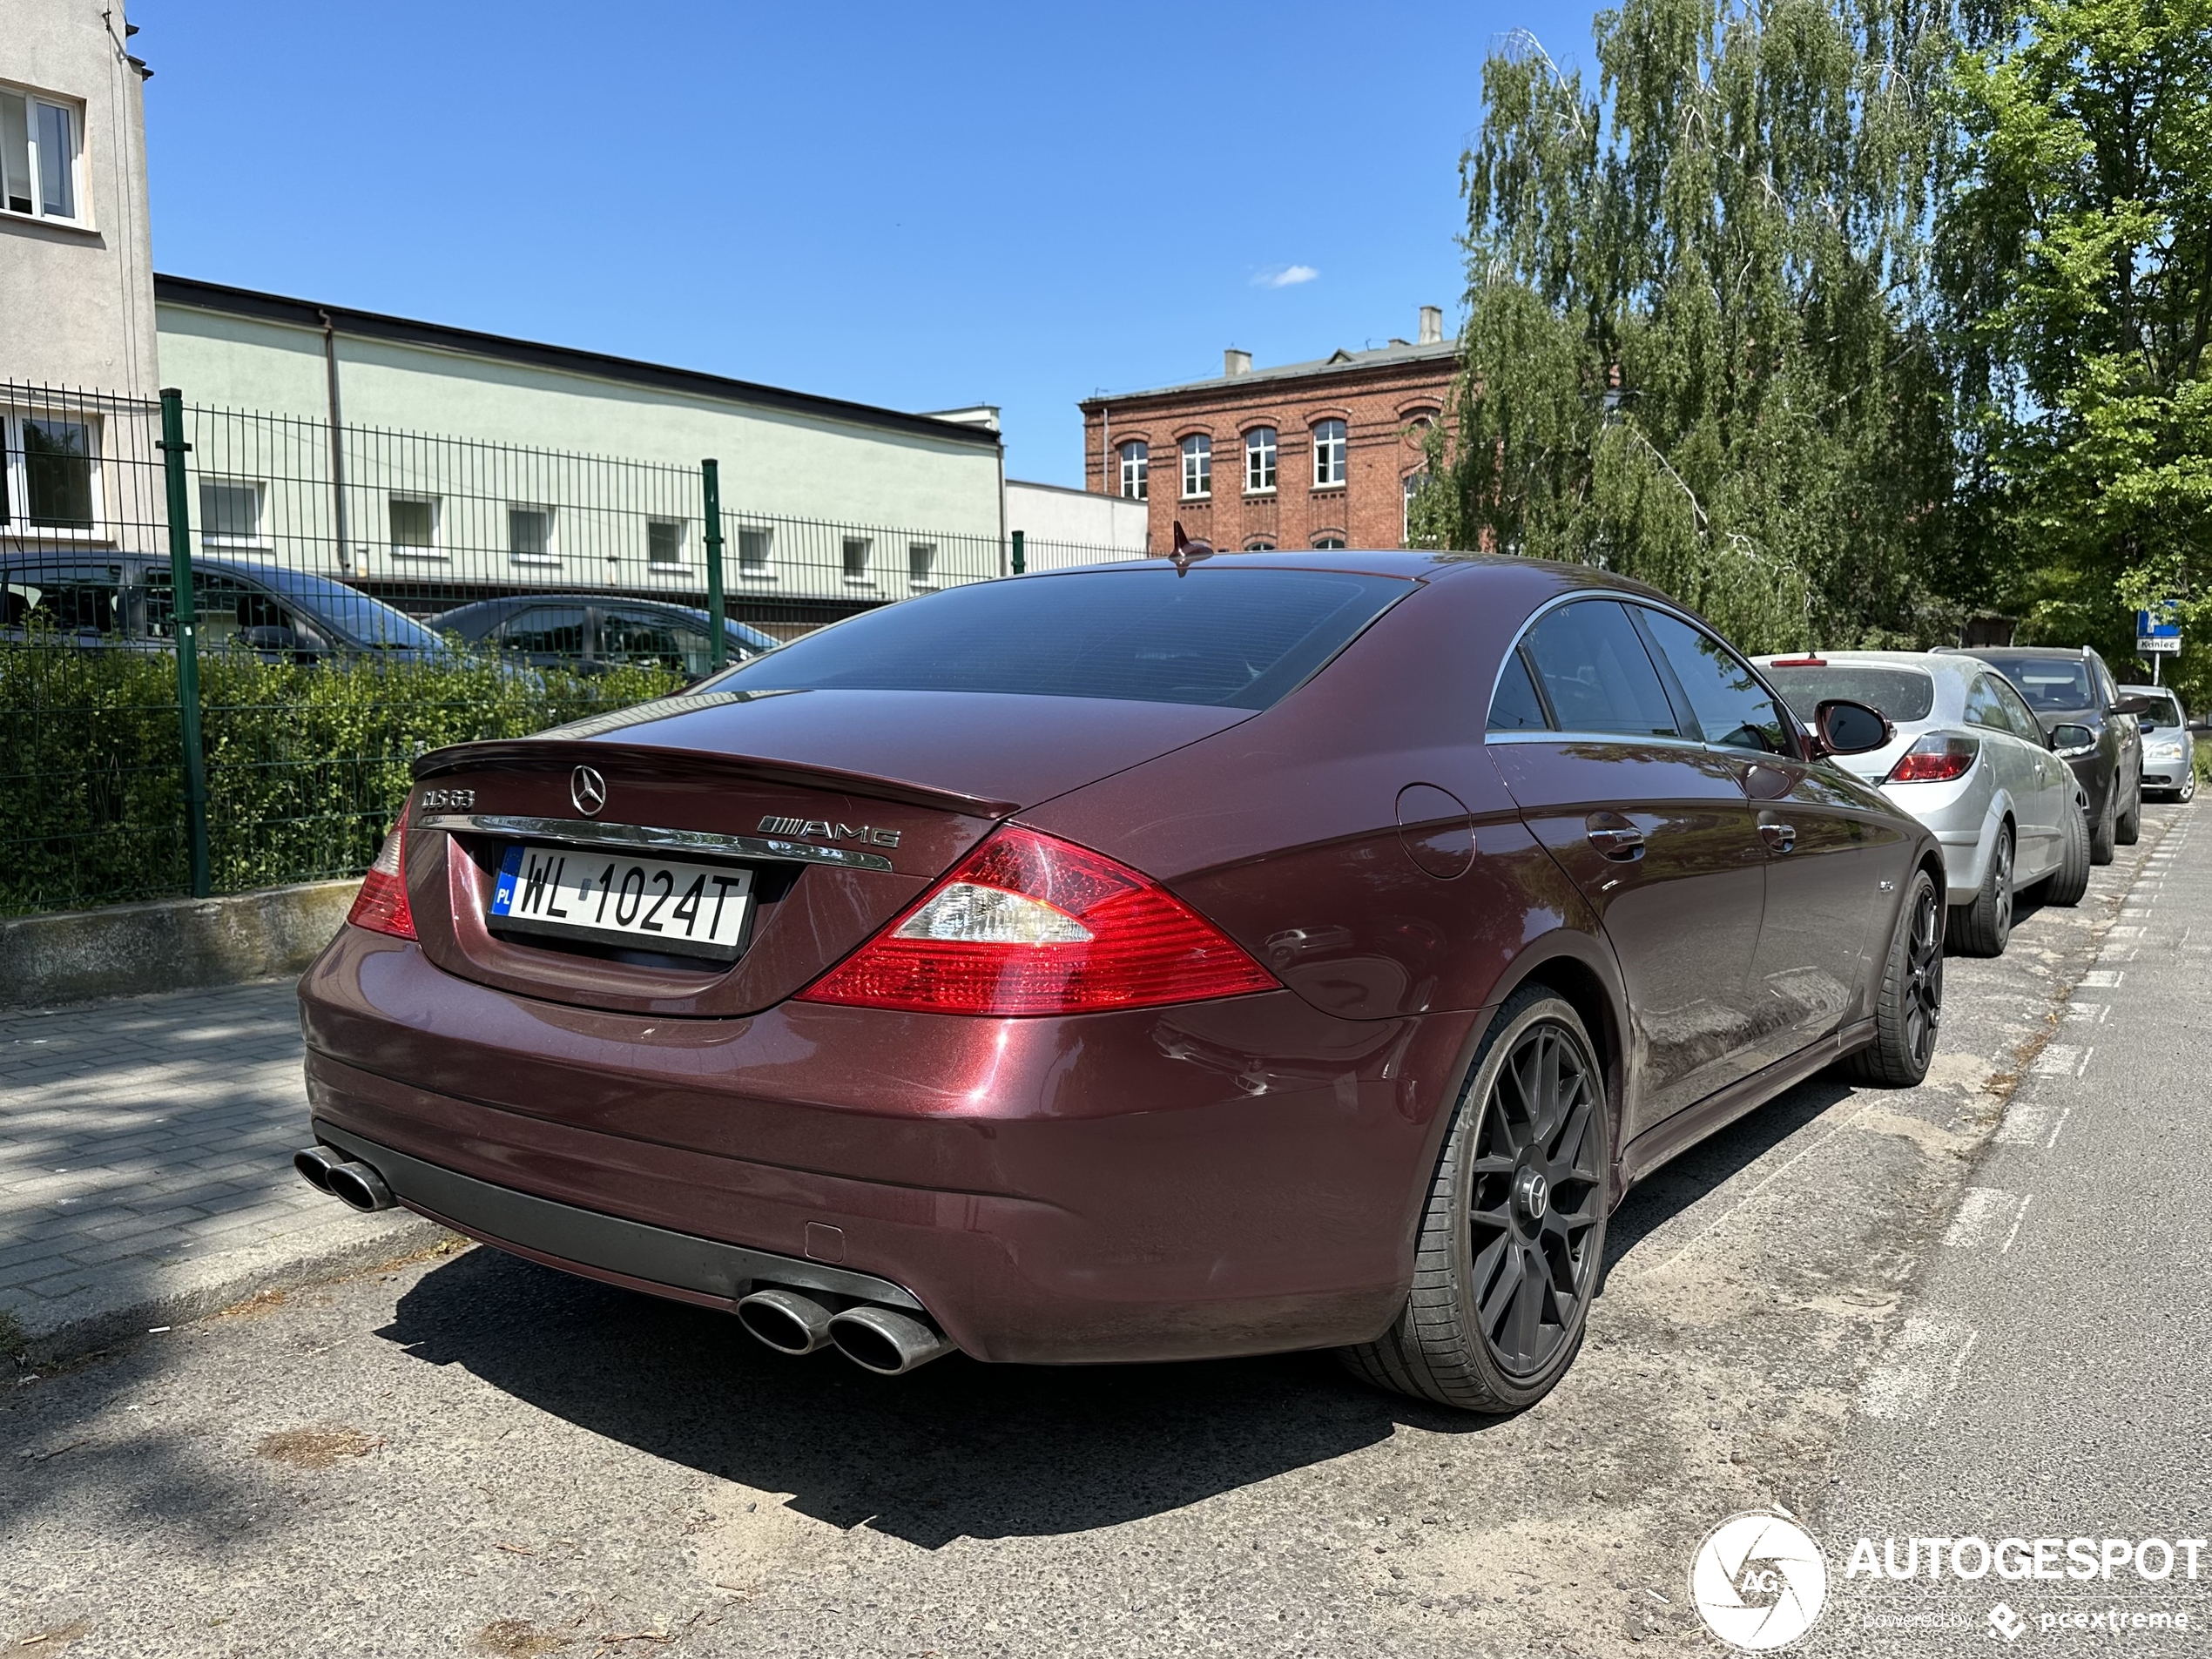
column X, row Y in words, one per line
column 145, row 1171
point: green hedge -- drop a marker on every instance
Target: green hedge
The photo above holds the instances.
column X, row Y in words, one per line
column 306, row 766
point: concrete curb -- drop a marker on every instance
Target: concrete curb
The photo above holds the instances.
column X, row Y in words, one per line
column 190, row 1289
column 167, row 944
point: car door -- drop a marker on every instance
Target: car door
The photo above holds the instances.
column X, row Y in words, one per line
column 550, row 636
column 2012, row 766
column 2051, row 796
column 1826, row 853
column 2127, row 771
column 652, row 638
column 1655, row 835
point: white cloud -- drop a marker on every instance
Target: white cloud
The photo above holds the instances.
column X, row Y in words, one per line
column 1288, row 276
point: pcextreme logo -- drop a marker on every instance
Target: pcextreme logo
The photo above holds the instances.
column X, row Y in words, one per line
column 1758, row 1581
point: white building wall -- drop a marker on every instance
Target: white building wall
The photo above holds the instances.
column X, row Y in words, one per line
column 1064, row 527
column 77, row 300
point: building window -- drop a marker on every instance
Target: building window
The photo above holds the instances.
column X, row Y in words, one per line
column 414, row 526
column 1326, row 542
column 230, row 512
column 663, row 541
column 1413, row 482
column 921, row 560
column 530, row 535
column 1259, row 461
column 39, row 156
column 856, row 562
column 1197, row 466
column 1328, row 455
column 1136, row 461
column 755, row 543
column 50, row 472
column 1260, row 545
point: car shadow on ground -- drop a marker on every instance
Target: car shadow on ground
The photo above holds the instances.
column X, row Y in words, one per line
column 957, row 1448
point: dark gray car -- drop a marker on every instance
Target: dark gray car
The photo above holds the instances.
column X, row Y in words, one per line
column 2092, row 727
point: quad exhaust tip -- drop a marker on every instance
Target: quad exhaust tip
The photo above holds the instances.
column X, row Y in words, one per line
column 348, row 1180
column 881, row 1340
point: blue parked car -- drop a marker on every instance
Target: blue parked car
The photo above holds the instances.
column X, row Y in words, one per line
column 594, row 632
column 127, row 601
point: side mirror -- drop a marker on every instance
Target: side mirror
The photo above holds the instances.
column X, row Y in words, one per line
column 1848, row 728
column 2071, row 739
column 2131, row 705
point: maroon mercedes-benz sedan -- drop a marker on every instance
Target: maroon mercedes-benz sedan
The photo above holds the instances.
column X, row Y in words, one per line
column 1145, row 962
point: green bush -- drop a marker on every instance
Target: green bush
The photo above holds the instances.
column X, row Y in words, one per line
column 306, row 766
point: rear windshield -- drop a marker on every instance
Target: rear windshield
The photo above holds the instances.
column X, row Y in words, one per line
column 2051, row 685
column 1229, row 637
column 1903, row 694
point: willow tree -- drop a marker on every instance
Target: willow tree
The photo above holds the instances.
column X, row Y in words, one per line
column 1698, row 343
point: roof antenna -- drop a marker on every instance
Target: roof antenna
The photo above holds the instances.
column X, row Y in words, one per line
column 1188, row 551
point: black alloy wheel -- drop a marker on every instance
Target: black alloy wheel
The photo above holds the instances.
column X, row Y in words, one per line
column 1982, row 927
column 1507, row 1258
column 1908, row 1005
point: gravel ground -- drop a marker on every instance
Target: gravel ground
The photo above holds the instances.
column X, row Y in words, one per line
column 472, row 1455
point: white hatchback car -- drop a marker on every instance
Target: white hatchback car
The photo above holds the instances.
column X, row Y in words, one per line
column 1971, row 761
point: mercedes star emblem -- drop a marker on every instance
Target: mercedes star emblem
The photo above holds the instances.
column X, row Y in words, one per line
column 588, row 789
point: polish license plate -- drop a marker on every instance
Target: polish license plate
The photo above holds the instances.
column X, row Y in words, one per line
column 660, row 904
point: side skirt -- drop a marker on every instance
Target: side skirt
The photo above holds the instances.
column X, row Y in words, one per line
column 1664, row 1142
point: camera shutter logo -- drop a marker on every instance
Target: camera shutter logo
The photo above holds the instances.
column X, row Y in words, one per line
column 588, row 789
column 1758, row 1581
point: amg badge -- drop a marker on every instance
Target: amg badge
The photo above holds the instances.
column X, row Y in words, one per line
column 821, row 829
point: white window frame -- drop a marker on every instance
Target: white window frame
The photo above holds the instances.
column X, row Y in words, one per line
column 1136, row 469
column 72, row 111
column 16, row 481
column 927, row 581
column 866, row 578
column 1197, row 467
column 552, row 553
column 683, row 528
column 1409, row 487
column 1260, row 459
column 436, row 504
column 1331, row 452
column 766, row 571
column 259, row 538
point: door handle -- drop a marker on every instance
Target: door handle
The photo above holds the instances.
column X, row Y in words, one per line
column 1614, row 836
column 1782, row 838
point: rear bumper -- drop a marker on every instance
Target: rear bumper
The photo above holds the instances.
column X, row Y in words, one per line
column 1228, row 1177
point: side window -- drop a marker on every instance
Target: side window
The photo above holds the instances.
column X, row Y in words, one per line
column 1984, row 707
column 1514, row 705
column 69, row 599
column 2102, row 676
column 546, row 631
column 2022, row 716
column 648, row 637
column 1596, row 672
column 1732, row 708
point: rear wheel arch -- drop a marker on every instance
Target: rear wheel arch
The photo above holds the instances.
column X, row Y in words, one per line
column 1568, row 965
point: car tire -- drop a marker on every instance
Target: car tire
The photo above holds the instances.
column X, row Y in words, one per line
column 2066, row 885
column 2128, row 828
column 1982, row 927
column 1503, row 1275
column 1908, row 1008
column 2187, row 793
column 2101, row 833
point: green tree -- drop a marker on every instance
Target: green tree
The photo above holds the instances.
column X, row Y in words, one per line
column 1700, row 340
column 2076, row 255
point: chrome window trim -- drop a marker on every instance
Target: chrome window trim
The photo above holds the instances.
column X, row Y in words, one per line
column 1548, row 735
column 639, row 838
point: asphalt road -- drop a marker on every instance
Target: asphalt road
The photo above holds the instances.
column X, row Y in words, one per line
column 476, row 1455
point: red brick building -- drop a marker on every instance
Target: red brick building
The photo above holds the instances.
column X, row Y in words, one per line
column 1307, row 454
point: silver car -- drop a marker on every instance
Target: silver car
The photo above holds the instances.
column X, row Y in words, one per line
column 2169, row 747
column 1971, row 761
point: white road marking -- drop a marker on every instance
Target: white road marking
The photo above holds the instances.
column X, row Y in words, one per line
column 1982, row 1210
column 1904, row 1384
column 2056, row 1127
column 2007, row 1246
column 2103, row 979
column 2057, row 1059
column 2024, row 1120
column 1950, row 1387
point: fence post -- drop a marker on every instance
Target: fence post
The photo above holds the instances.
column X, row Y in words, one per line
column 717, row 630
column 186, row 618
column 1018, row 564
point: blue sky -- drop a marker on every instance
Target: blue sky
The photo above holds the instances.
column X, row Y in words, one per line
column 913, row 205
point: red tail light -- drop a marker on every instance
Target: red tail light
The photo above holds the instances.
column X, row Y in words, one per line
column 1935, row 759
column 381, row 906
column 1029, row 924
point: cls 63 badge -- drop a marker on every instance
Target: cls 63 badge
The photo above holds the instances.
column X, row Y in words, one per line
column 448, row 800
